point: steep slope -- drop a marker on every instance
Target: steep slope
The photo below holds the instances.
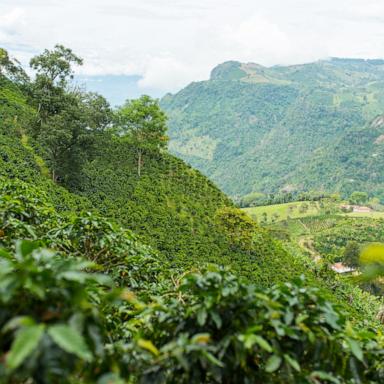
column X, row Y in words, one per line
column 354, row 162
column 83, row 299
column 174, row 209
column 250, row 128
column 18, row 159
column 171, row 206
column 63, row 320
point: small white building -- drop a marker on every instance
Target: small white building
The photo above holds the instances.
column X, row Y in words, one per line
column 356, row 208
column 341, row 268
column 360, row 209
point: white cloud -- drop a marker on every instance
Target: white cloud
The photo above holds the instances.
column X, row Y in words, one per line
column 165, row 73
column 10, row 22
column 255, row 38
column 371, row 9
column 12, row 18
column 172, row 42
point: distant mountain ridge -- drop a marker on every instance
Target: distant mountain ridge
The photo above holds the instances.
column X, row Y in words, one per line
column 322, row 71
column 255, row 128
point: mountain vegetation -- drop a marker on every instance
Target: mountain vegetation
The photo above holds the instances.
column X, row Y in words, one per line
column 255, row 129
column 119, row 263
column 331, row 234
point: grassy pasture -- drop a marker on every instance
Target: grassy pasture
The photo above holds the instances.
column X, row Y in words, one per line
column 296, row 210
column 372, row 215
column 280, row 212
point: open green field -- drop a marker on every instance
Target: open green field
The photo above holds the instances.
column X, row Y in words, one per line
column 300, row 209
column 279, row 212
column 372, row 215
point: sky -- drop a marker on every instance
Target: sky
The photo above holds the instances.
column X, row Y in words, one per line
column 162, row 45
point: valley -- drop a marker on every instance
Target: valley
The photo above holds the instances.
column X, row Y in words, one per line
column 330, row 232
column 314, row 126
column 121, row 263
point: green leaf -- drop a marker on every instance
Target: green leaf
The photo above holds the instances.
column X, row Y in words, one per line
column 355, row 348
column 251, row 340
column 201, row 316
column 102, row 279
column 323, row 376
column 110, row 378
column 288, row 317
column 263, row 343
column 331, row 318
column 292, row 362
column 217, row 319
column 70, row 340
column 201, row 338
column 77, row 276
column 273, row 363
column 24, row 248
column 25, row 343
column 17, row 322
column 6, row 266
column 4, row 254
column 148, row 345
column 212, row 359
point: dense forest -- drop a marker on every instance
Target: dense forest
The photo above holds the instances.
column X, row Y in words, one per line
column 296, row 128
column 119, row 263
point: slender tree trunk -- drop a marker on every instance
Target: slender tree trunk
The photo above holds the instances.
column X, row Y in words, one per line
column 139, row 163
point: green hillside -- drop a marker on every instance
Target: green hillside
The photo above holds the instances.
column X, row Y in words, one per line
column 256, row 129
column 121, row 264
column 171, row 206
column 353, row 162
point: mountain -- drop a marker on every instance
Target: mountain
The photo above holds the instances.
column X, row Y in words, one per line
column 252, row 128
column 354, row 162
column 171, row 206
column 119, row 263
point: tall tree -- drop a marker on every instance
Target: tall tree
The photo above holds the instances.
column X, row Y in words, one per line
column 70, row 135
column 144, row 123
column 54, row 69
column 56, row 65
column 358, row 197
column 12, row 69
column 69, row 119
column 351, row 254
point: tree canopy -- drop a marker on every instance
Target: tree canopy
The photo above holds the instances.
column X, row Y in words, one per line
column 144, row 124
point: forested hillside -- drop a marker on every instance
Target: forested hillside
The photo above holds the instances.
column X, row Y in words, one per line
column 171, row 206
column 256, row 129
column 353, row 162
column 121, row 264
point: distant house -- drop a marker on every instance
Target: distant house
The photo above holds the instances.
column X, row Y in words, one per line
column 341, row 268
column 356, row 208
column 361, row 209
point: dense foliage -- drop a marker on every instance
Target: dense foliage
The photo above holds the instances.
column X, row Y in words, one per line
column 73, row 326
column 334, row 240
column 285, row 128
column 170, row 205
column 222, row 330
column 84, row 299
column 255, row 199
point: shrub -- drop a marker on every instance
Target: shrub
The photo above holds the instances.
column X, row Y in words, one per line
column 218, row 329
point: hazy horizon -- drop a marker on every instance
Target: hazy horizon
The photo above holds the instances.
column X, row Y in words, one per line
column 164, row 45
